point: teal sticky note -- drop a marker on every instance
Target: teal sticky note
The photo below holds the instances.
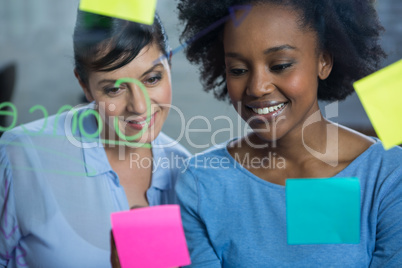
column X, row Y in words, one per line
column 323, row 211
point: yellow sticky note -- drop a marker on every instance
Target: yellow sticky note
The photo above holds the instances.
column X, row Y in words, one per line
column 141, row 11
column 381, row 94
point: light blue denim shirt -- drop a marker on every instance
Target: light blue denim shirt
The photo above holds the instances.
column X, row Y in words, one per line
column 58, row 190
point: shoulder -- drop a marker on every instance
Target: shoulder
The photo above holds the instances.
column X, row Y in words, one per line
column 379, row 170
column 170, row 146
column 62, row 123
column 204, row 170
column 352, row 144
column 169, row 157
column 211, row 166
column 389, row 160
column 209, row 156
column 44, row 142
column 366, row 150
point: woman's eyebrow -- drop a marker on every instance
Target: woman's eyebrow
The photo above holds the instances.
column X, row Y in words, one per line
column 233, row 55
column 145, row 73
column 107, row 81
column 267, row 51
column 152, row 69
column 279, row 48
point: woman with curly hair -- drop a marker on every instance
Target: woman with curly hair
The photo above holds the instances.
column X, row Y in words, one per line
column 275, row 66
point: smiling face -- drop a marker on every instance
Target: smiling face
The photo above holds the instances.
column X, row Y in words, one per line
column 272, row 70
column 127, row 102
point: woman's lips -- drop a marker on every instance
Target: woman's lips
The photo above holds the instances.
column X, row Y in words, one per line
column 139, row 125
column 267, row 113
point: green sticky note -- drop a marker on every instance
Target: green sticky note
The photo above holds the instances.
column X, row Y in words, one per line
column 323, row 211
column 141, row 11
column 380, row 94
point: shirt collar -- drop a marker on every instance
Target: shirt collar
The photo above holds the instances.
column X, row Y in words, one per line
column 162, row 166
column 95, row 158
column 96, row 161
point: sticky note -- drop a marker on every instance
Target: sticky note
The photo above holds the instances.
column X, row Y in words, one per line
column 380, row 94
column 323, row 211
column 150, row 237
column 141, row 11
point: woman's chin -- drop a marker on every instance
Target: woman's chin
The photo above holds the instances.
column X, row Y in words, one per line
column 146, row 137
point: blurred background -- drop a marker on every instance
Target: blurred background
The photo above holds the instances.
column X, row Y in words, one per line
column 36, row 68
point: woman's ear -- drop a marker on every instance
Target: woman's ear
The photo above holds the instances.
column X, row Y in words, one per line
column 84, row 87
column 325, row 65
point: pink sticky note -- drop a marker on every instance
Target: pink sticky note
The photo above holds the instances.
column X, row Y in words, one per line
column 150, row 237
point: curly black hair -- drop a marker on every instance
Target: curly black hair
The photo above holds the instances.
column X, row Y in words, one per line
column 347, row 29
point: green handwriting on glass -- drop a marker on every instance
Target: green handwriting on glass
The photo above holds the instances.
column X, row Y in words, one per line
column 9, row 109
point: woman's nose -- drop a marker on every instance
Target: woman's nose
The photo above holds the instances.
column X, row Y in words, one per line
column 137, row 102
column 260, row 83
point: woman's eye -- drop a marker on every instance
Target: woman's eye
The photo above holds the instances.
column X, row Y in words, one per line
column 153, row 80
column 237, row 72
column 280, row 67
column 112, row 90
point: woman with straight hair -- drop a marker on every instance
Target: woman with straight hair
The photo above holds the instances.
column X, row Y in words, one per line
column 64, row 175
